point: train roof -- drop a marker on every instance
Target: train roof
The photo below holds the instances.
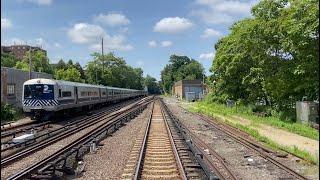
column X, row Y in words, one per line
column 69, row 83
column 59, row 82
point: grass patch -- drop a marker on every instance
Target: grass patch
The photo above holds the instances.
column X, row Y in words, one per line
column 220, row 109
column 9, row 113
column 165, row 95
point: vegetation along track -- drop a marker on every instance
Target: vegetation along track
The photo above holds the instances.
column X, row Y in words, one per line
column 161, row 153
column 29, row 165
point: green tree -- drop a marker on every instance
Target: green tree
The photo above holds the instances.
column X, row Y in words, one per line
column 40, row 62
column 61, row 65
column 8, row 60
column 152, row 85
column 80, row 69
column 113, row 71
column 70, row 74
column 180, row 68
column 22, row 65
column 273, row 56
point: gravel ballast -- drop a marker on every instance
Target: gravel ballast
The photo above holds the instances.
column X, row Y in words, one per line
column 110, row 160
column 245, row 163
column 45, row 152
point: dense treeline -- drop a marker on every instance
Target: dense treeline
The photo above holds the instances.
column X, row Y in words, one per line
column 180, row 68
column 271, row 57
column 106, row 70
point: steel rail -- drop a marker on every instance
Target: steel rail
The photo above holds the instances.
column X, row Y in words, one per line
column 143, row 146
column 195, row 141
column 19, row 130
column 67, row 126
column 174, row 148
column 84, row 124
column 10, row 127
column 252, row 146
column 82, row 140
column 137, row 173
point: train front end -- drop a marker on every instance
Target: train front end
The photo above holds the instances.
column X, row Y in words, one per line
column 38, row 99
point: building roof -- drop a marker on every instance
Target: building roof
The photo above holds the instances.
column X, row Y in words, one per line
column 184, row 82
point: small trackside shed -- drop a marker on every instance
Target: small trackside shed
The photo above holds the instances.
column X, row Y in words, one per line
column 181, row 88
column 12, row 84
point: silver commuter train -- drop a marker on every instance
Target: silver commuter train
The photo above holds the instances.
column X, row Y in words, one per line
column 45, row 96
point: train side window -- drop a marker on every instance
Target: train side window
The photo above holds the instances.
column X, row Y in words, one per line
column 59, row 93
column 66, row 93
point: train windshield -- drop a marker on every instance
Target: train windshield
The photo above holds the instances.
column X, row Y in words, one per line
column 38, row 91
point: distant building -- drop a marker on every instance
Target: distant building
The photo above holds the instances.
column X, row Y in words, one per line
column 19, row 51
column 189, row 89
column 11, row 84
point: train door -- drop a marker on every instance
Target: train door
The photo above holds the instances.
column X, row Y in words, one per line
column 76, row 94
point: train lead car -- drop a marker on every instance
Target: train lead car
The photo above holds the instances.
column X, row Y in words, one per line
column 42, row 97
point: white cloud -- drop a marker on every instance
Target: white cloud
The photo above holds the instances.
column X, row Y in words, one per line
column 5, row 23
column 13, row 41
column 222, row 11
column 152, row 44
column 208, row 33
column 206, row 56
column 173, row 25
column 112, row 19
column 124, row 30
column 111, row 43
column 166, row 43
column 84, row 33
column 41, row 2
column 39, row 42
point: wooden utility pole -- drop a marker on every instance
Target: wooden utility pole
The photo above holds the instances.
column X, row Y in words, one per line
column 30, row 62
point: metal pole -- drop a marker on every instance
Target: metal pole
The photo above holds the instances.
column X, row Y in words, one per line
column 102, row 55
column 96, row 75
column 30, row 62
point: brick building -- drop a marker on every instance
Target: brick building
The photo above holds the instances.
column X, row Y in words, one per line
column 184, row 87
column 11, row 84
column 19, row 51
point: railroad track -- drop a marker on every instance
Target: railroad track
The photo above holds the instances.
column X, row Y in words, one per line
column 161, row 153
column 262, row 151
column 43, row 139
column 14, row 126
column 41, row 126
column 241, row 138
column 210, row 157
column 90, row 135
column 22, row 129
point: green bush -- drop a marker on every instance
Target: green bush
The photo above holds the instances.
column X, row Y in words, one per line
column 8, row 113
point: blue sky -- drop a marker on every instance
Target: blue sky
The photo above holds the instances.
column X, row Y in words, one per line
column 145, row 33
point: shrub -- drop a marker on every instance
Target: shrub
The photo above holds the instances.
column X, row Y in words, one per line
column 8, row 113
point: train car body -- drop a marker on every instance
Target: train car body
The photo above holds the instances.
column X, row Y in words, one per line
column 45, row 96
